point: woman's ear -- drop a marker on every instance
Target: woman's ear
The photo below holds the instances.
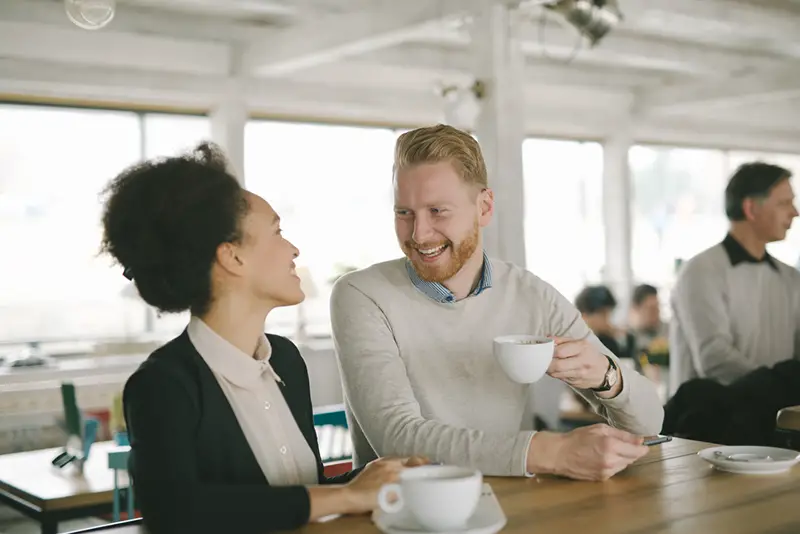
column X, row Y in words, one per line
column 228, row 258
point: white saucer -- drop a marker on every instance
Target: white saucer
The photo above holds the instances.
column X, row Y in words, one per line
column 487, row 519
column 747, row 460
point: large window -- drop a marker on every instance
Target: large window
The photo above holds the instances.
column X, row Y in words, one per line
column 677, row 208
column 53, row 164
column 564, row 231
column 332, row 187
column 168, row 135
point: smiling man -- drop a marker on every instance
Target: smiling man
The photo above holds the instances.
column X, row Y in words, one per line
column 414, row 337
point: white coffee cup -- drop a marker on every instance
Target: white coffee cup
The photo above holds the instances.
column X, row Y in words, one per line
column 440, row 497
column 524, row 358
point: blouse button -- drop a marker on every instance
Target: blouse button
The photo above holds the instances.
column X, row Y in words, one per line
column 284, row 449
column 267, row 405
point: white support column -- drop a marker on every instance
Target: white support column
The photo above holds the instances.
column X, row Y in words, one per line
column 228, row 120
column 500, row 65
column 500, row 128
column 229, row 116
column 617, row 200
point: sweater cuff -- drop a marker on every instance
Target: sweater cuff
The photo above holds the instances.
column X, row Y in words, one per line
column 522, row 462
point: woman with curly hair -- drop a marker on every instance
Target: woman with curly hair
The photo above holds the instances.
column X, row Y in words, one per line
column 220, row 418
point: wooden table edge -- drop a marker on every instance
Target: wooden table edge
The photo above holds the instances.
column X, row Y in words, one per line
column 12, row 492
column 85, row 500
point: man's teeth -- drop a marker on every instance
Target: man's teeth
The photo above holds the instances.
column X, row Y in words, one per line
column 432, row 251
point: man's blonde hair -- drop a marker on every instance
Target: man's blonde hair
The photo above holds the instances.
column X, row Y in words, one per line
column 434, row 144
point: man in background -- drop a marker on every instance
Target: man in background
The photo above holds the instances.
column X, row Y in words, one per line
column 735, row 307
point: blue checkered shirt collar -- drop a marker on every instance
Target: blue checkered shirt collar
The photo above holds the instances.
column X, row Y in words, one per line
column 439, row 293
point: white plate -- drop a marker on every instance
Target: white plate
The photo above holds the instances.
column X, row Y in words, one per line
column 487, row 519
column 748, row 460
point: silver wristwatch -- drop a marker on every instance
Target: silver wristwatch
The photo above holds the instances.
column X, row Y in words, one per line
column 610, row 379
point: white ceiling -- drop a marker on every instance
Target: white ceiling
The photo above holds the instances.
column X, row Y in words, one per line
column 729, row 69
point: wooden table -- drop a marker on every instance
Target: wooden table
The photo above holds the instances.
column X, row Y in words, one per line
column 32, row 485
column 671, row 490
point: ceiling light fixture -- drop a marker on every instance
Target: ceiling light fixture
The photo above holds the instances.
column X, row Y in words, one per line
column 90, row 14
column 592, row 18
column 462, row 105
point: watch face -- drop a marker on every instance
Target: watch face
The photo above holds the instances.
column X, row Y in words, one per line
column 611, row 376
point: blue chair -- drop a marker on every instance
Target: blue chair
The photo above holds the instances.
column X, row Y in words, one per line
column 118, row 461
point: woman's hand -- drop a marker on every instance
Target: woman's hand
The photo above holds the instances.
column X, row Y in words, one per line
column 363, row 490
column 361, row 494
column 416, row 461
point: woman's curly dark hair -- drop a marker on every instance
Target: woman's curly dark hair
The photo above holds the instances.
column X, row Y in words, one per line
column 163, row 221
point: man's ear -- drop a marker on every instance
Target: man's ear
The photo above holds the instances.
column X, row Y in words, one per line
column 486, row 206
column 749, row 208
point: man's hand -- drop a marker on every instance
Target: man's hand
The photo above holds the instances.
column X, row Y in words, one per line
column 578, row 363
column 595, row 452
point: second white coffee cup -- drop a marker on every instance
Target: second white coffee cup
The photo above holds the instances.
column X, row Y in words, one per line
column 524, row 358
column 440, row 497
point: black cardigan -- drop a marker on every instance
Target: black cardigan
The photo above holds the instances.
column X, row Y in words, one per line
column 192, row 467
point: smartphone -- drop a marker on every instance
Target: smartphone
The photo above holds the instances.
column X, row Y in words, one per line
column 656, row 440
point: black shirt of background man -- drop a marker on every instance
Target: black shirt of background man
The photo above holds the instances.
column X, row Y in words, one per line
column 738, row 254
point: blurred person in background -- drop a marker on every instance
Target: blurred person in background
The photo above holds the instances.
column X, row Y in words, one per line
column 645, row 316
column 735, row 307
column 597, row 304
column 650, row 333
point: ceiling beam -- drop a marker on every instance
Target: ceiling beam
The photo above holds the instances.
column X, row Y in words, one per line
column 377, row 76
column 112, row 49
column 208, row 89
column 334, row 37
column 281, row 12
column 315, row 101
column 455, row 64
column 625, row 49
column 715, row 20
column 732, row 93
column 786, row 117
column 141, row 20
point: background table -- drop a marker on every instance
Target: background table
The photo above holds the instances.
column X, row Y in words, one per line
column 32, row 485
